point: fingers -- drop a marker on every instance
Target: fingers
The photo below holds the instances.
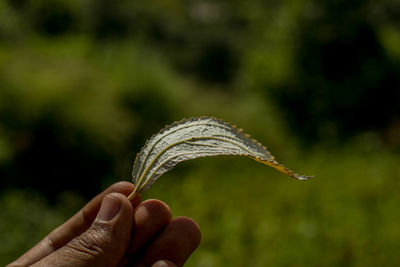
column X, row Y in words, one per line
column 150, row 217
column 84, row 218
column 156, row 237
column 87, row 240
column 175, row 243
column 79, row 223
column 163, row 263
column 104, row 243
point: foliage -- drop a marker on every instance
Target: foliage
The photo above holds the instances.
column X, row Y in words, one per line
column 83, row 84
column 51, row 91
column 344, row 217
column 26, row 217
column 343, row 80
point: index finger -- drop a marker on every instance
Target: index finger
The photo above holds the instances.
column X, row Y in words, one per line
column 72, row 228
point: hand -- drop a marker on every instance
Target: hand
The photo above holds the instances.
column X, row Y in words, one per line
column 113, row 231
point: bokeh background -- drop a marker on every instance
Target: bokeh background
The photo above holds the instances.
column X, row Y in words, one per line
column 84, row 83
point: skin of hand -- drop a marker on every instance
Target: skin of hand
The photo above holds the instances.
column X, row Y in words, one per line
column 110, row 230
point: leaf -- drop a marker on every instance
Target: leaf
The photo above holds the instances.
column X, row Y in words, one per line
column 195, row 138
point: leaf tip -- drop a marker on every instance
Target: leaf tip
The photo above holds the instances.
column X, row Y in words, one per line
column 303, row 177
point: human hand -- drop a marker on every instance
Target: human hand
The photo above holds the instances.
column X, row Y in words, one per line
column 113, row 231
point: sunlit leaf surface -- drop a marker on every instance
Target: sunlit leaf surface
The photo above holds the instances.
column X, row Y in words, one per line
column 195, row 138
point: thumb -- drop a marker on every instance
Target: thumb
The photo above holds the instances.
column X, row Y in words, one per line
column 104, row 243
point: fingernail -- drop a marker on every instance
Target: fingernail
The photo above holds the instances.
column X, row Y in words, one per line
column 109, row 208
column 163, row 263
column 141, row 214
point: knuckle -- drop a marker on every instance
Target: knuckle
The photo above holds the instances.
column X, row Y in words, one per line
column 91, row 244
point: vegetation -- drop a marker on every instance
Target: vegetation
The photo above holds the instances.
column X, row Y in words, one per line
column 83, row 84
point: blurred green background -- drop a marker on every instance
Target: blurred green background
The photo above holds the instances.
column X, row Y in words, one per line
column 84, row 83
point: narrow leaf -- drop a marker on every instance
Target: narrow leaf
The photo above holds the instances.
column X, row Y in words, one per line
column 194, row 138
